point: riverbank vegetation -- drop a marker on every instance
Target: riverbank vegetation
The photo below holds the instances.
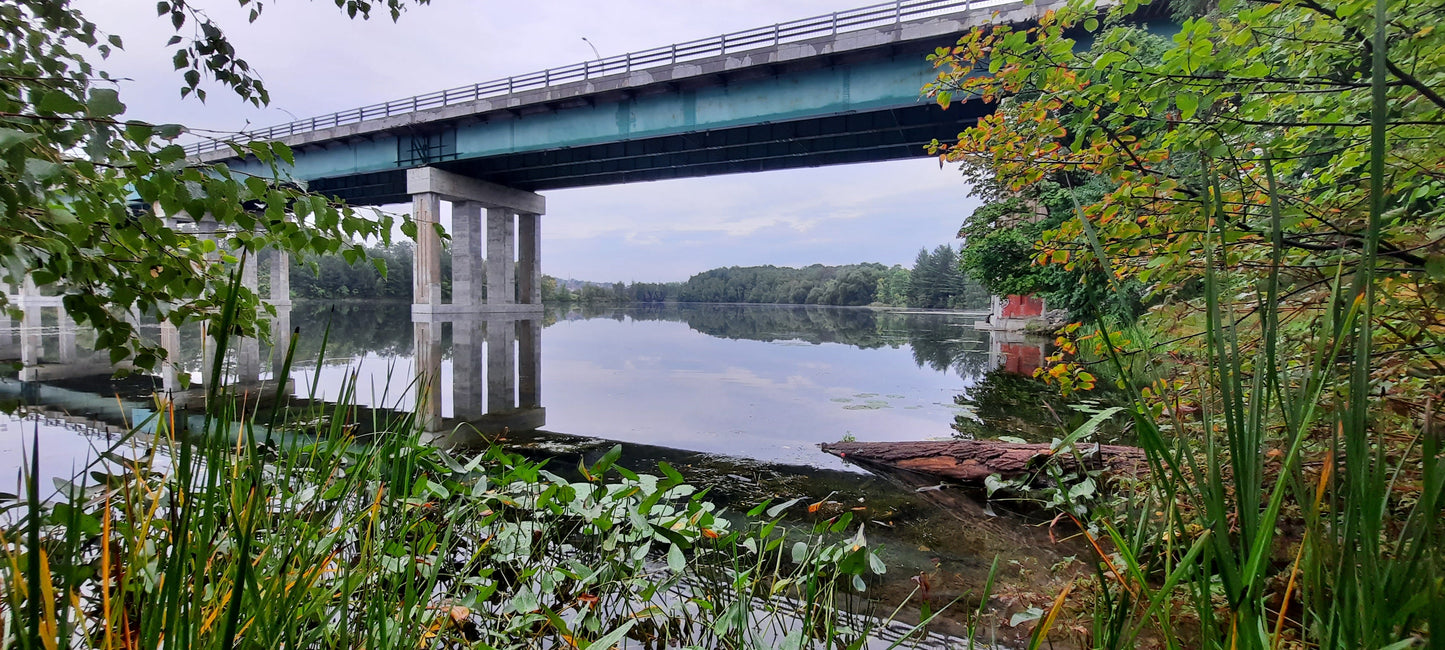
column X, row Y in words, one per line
column 1268, row 182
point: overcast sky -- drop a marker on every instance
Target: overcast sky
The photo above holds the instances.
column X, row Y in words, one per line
column 315, row 61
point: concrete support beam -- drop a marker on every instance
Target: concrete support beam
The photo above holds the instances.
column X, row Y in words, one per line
column 281, row 279
column 501, row 266
column 170, row 370
column 31, row 342
column 468, row 277
column 455, row 187
column 207, row 228
column 427, row 274
column 529, row 258
column 248, row 349
column 68, row 352
column 281, row 339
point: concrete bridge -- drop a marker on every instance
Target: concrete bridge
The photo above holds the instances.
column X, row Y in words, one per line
column 834, row 89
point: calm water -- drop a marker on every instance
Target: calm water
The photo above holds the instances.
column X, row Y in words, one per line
column 760, row 382
column 767, row 383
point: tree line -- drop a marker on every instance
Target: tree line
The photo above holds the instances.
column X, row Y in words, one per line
column 935, row 281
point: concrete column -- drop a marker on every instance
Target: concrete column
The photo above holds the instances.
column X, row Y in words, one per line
column 529, row 362
column 501, row 256
column 31, row 341
column 206, row 228
column 7, row 326
column 281, row 279
column 281, row 339
column 529, row 259
column 467, row 387
column 248, row 349
column 427, row 273
column 170, row 370
column 428, row 375
column 67, row 336
column 468, row 278
column 501, row 365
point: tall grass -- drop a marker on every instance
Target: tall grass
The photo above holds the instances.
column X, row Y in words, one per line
column 1363, row 565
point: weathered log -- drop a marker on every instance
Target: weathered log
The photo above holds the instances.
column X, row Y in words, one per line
column 972, row 461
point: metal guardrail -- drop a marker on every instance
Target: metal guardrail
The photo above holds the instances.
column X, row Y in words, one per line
column 838, row 22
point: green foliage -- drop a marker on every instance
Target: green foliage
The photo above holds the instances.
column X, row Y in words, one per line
column 854, row 284
column 291, row 533
column 937, row 282
column 385, row 273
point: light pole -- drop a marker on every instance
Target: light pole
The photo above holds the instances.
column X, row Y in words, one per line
column 594, row 48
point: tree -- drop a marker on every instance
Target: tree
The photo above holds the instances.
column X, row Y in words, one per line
column 84, row 190
column 893, row 286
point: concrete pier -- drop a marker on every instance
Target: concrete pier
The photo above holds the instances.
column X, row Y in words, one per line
column 508, row 214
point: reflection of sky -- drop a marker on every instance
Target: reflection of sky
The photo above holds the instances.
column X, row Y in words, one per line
column 662, row 383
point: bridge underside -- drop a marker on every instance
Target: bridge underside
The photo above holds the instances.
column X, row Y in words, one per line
column 874, row 136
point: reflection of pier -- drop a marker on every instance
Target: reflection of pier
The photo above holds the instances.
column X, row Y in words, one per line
column 26, row 341
column 1015, row 352
column 496, row 372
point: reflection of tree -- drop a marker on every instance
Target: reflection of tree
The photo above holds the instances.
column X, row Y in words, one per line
column 811, row 324
column 939, row 342
column 1009, row 404
column 356, row 328
column 960, row 347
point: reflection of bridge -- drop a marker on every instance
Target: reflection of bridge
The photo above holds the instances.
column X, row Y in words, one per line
column 495, row 378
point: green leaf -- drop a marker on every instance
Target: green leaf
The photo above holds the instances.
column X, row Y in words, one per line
column 57, row 101
column 11, row 137
column 611, row 638
column 139, row 132
column 608, row 459
column 104, row 102
column 778, row 509
column 1188, row 103
column 675, row 560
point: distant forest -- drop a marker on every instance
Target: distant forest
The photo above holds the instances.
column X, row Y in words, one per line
column 934, row 282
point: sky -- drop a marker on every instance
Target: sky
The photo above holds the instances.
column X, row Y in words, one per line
column 315, row 61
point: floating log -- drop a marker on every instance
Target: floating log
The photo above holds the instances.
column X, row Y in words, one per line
column 972, row 461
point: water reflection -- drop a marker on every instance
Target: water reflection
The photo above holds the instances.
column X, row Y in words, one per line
column 756, row 381
column 495, row 373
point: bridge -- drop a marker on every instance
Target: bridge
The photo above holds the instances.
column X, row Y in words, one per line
column 834, row 89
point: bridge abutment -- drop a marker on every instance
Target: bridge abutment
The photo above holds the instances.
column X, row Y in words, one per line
column 510, row 270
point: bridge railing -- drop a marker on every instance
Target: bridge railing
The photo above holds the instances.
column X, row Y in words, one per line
column 838, row 22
